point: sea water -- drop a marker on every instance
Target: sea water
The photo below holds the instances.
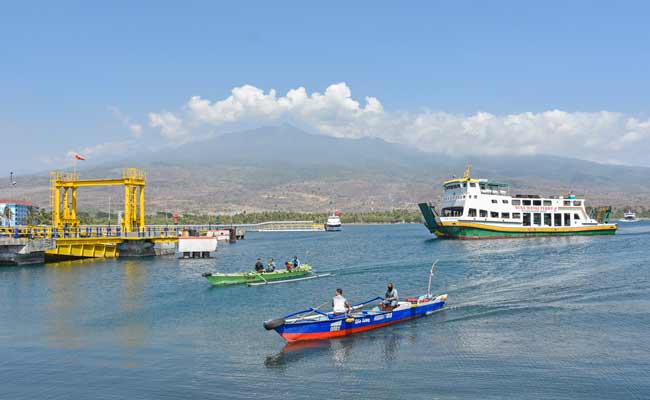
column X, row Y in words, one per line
column 560, row 318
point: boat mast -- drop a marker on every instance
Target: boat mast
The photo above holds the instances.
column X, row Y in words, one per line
column 433, row 268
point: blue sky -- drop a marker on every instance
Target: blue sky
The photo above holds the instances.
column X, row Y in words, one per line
column 74, row 75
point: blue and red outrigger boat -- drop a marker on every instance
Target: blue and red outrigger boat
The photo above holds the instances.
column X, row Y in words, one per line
column 312, row 324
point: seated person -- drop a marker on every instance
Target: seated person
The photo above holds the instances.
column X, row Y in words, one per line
column 391, row 299
column 296, row 263
column 288, row 265
column 271, row 266
column 259, row 267
column 340, row 305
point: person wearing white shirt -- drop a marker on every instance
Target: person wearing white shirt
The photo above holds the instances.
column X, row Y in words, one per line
column 339, row 303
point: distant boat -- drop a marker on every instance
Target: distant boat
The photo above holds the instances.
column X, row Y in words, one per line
column 629, row 217
column 333, row 223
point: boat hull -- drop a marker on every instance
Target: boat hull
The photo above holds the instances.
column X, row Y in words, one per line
column 252, row 277
column 347, row 325
column 332, row 228
column 478, row 230
column 460, row 230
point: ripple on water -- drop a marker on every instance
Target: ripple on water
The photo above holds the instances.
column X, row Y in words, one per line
column 557, row 317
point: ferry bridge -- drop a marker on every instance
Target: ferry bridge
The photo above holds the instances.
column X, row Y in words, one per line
column 67, row 238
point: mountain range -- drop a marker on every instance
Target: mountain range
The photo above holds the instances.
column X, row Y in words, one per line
column 284, row 168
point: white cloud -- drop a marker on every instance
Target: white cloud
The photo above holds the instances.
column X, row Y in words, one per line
column 600, row 135
column 171, row 127
column 134, row 128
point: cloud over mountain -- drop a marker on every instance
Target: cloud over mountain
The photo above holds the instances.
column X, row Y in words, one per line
column 598, row 136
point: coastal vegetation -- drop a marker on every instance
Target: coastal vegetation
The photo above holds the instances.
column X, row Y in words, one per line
column 161, row 218
column 41, row 216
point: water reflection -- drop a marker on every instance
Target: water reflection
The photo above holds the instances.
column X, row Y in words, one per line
column 64, row 281
column 133, row 301
column 340, row 350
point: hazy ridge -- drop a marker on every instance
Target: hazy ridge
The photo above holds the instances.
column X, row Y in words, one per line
column 283, row 168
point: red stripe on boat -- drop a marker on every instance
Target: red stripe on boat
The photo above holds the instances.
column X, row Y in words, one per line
column 294, row 337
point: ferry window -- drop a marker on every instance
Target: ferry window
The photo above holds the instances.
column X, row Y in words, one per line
column 452, row 211
column 576, row 217
column 537, row 202
column 526, row 219
column 557, row 219
column 526, row 202
column 547, row 219
column 482, row 187
column 494, row 201
column 475, row 196
column 505, row 215
column 516, row 215
column 577, row 203
column 471, row 212
column 516, row 202
column 483, row 213
column 567, row 203
column 547, row 202
column 472, row 184
column 505, row 201
column 494, row 214
column 537, row 219
column 567, row 219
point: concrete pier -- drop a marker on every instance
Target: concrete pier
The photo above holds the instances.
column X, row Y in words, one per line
column 19, row 251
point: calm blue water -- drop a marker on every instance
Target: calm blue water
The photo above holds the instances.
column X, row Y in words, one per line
column 526, row 318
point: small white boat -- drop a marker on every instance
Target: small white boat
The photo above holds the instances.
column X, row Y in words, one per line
column 333, row 223
column 629, row 217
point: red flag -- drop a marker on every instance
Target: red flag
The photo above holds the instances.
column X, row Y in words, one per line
column 79, row 157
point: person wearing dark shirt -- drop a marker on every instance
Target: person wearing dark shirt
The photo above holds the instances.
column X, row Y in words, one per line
column 390, row 299
column 259, row 267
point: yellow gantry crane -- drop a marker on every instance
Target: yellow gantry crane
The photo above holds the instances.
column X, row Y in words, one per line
column 64, row 187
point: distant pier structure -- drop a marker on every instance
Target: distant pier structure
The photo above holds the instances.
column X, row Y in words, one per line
column 66, row 238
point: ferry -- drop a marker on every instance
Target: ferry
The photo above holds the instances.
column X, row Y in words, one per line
column 333, row 223
column 629, row 217
column 480, row 208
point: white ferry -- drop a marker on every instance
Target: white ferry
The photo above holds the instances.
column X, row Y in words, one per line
column 629, row 217
column 479, row 208
column 333, row 223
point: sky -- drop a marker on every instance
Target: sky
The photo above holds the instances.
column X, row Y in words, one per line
column 465, row 78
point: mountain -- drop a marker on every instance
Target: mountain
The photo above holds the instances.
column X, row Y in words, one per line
column 284, row 168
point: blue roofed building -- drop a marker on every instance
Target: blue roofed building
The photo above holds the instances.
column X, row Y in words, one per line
column 14, row 212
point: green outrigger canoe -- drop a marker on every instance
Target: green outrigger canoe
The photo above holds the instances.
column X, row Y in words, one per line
column 219, row 279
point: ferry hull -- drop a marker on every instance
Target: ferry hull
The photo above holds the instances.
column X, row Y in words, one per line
column 473, row 230
column 486, row 232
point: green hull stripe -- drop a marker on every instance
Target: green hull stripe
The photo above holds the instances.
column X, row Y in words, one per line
column 460, row 232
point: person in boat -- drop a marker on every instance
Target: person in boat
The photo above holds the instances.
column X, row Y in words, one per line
column 391, row 298
column 296, row 262
column 271, row 266
column 288, row 265
column 340, row 305
column 259, row 267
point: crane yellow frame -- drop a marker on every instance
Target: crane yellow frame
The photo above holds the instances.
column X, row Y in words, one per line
column 64, row 187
